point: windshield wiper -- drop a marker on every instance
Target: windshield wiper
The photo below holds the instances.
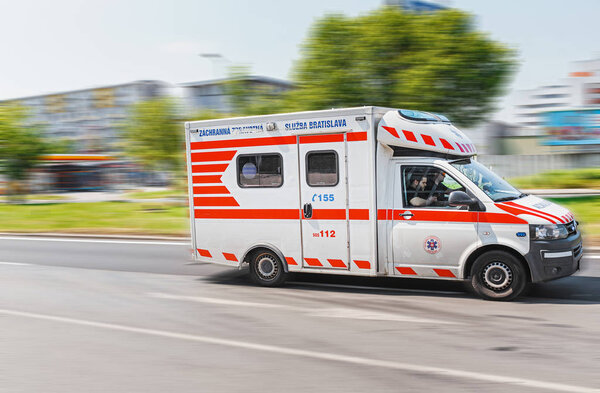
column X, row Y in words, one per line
column 506, row 199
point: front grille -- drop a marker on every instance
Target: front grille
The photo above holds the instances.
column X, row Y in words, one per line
column 571, row 227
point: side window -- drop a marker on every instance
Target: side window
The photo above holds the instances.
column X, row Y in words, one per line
column 259, row 170
column 427, row 187
column 322, row 168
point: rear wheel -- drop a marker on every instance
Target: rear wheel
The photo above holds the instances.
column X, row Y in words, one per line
column 498, row 275
column 266, row 269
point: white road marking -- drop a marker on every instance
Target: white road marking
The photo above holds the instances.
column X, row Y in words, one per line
column 336, row 312
column 591, row 256
column 408, row 367
column 15, row 263
column 62, row 239
column 212, row 300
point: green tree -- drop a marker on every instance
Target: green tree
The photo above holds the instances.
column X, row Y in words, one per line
column 154, row 133
column 433, row 61
column 20, row 146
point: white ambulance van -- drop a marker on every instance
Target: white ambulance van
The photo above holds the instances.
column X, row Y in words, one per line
column 367, row 191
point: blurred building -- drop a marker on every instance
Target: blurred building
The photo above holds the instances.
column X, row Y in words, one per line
column 580, row 89
column 88, row 118
column 418, row 5
column 212, row 94
column 89, row 122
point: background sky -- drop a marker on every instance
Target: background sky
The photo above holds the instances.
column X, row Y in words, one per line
column 71, row 44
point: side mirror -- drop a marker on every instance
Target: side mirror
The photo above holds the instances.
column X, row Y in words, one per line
column 460, row 198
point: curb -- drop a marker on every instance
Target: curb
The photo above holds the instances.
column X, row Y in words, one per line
column 95, row 236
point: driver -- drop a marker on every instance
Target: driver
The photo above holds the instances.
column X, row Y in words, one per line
column 420, row 197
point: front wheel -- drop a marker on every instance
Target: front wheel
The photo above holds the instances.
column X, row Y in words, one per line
column 498, row 275
column 267, row 270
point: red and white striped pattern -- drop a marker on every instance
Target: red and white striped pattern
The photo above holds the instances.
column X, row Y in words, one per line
column 409, row 271
column 311, row 262
column 517, row 209
column 420, row 138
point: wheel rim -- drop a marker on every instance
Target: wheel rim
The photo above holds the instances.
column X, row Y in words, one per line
column 497, row 276
column 267, row 267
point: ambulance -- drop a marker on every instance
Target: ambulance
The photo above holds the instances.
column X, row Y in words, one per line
column 367, row 191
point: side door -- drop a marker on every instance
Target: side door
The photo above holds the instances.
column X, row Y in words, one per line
column 429, row 237
column 323, row 201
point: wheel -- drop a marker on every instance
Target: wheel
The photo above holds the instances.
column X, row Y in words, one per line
column 498, row 275
column 267, row 270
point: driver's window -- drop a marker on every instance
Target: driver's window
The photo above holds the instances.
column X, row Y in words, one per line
column 427, row 187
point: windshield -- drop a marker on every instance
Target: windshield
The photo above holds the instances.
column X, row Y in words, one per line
column 490, row 183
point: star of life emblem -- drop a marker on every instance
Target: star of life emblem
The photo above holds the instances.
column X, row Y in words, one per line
column 432, row 245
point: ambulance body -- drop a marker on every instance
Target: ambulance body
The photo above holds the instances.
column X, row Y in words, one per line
column 367, row 191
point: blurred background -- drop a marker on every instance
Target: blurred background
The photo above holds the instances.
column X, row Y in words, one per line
column 94, row 97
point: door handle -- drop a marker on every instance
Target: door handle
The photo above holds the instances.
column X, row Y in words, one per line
column 406, row 214
column 307, row 210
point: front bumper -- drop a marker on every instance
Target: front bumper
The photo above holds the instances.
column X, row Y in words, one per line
column 552, row 259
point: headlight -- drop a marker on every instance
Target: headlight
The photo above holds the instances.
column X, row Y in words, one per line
column 548, row 232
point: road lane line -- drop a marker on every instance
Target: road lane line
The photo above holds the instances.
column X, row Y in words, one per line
column 212, row 300
column 408, row 367
column 50, row 239
column 331, row 312
column 591, row 256
column 15, row 263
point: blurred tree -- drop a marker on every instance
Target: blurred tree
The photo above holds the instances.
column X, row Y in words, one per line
column 60, row 146
column 432, row 61
column 153, row 134
column 20, row 147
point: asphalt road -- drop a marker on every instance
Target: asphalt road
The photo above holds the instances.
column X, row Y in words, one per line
column 98, row 316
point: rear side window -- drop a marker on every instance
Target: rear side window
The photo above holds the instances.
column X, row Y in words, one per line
column 260, row 170
column 322, row 168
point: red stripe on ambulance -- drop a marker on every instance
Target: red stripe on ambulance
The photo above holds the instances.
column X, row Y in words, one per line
column 362, row 264
column 204, row 253
column 206, row 168
column 321, row 138
column 410, row 136
column 446, row 144
column 213, row 156
column 248, row 214
column 356, row 136
column 406, row 271
column 336, row 263
column 392, row 131
column 428, row 140
column 230, row 257
column 515, row 205
column 313, row 262
column 215, row 201
column 246, row 142
column 444, row 273
column 211, row 190
column 206, row 179
column 291, row 261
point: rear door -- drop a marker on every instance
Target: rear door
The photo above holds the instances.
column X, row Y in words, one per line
column 323, row 200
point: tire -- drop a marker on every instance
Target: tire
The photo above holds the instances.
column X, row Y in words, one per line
column 498, row 275
column 266, row 269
